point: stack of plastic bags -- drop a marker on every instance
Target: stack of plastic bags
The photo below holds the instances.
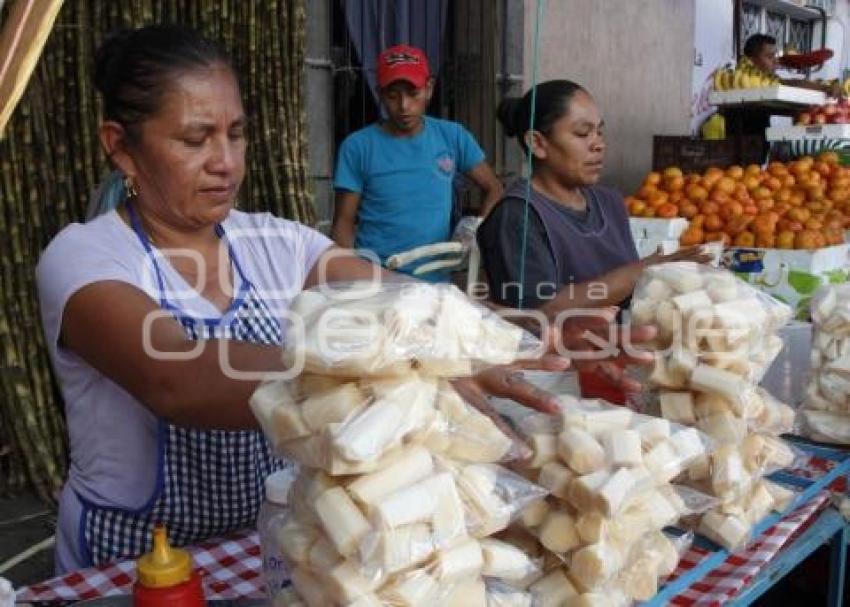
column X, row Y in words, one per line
column 399, row 489
column 825, row 415
column 717, row 337
column 608, row 471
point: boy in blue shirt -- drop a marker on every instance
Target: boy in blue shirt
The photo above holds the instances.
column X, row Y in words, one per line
column 394, row 178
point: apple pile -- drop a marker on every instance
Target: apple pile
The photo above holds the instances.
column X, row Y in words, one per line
column 832, row 112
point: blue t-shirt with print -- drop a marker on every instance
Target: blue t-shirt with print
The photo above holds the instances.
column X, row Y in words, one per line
column 405, row 184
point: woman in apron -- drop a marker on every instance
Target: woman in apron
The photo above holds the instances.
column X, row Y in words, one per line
column 151, row 308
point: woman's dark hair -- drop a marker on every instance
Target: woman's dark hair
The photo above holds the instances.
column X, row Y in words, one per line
column 133, row 68
column 552, row 102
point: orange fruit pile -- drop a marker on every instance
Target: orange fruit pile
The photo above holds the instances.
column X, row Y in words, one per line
column 802, row 204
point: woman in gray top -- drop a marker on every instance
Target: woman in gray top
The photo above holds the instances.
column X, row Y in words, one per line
column 579, row 251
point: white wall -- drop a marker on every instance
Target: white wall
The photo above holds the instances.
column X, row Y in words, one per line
column 635, row 57
column 712, row 49
column 837, row 28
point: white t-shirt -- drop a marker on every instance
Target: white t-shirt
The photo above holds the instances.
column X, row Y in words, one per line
column 113, row 437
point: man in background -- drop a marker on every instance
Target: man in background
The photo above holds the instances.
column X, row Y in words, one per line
column 394, row 179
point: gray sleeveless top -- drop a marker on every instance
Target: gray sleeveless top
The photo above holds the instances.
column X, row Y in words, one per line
column 563, row 246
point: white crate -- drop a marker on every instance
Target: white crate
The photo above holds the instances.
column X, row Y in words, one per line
column 812, row 132
column 657, row 229
column 787, row 95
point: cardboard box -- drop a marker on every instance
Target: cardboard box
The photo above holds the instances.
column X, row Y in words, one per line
column 791, row 276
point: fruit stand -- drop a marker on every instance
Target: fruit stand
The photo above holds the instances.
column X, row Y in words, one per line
column 782, row 226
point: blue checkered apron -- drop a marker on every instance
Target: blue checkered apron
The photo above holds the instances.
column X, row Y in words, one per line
column 209, row 482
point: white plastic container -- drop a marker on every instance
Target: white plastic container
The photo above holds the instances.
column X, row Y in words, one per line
column 274, row 508
column 787, row 376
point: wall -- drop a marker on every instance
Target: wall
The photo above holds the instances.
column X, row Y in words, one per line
column 713, row 48
column 635, row 57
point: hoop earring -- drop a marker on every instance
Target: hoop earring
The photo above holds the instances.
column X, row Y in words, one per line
column 130, row 186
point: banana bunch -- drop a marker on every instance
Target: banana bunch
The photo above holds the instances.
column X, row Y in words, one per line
column 745, row 75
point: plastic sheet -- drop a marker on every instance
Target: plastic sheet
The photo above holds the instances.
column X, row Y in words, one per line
column 389, row 329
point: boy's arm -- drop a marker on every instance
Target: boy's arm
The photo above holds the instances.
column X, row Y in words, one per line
column 486, row 179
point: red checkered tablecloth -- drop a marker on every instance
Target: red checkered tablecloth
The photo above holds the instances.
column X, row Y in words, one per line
column 740, row 568
column 231, row 568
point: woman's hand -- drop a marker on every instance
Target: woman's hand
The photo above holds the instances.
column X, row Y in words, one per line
column 697, row 253
column 595, row 343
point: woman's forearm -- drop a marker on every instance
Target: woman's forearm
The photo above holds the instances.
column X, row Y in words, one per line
column 608, row 290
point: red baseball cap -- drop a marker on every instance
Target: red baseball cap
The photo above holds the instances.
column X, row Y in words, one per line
column 402, row 62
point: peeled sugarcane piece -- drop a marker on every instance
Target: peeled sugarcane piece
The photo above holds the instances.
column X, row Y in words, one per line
column 462, row 561
column 729, row 477
column 739, row 316
column 776, row 417
column 295, row 540
column 558, row 532
column 594, row 599
column 643, row 311
column 724, row 428
column 639, row 580
column 616, row 489
column 545, row 449
column 700, row 468
column 728, row 531
column 682, row 276
column 691, row 301
column 322, row 555
column 720, row 289
column 338, row 466
column 552, row 589
column 309, row 384
column 652, row 431
column 657, row 290
column 591, row 527
column 341, row 520
column 309, row 588
column 661, row 508
column 681, row 364
column 669, row 557
column 505, row 561
column 759, row 503
column 449, row 520
column 596, row 421
column 668, row 319
column 368, row 434
column 708, row 405
column 583, row 492
column 278, row 414
column 663, row 462
column 478, row 439
column 366, row 600
column 782, row 496
column 415, row 503
column 662, row 377
column 479, row 488
column 677, row 407
column 595, row 565
column 406, row 546
column 416, row 589
column 622, row 448
column 309, row 451
column 581, row 451
column 508, row 596
column 332, row 407
column 688, row 445
column 721, row 382
column 534, row 514
column 414, row 465
column 467, row 593
column 347, row 584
